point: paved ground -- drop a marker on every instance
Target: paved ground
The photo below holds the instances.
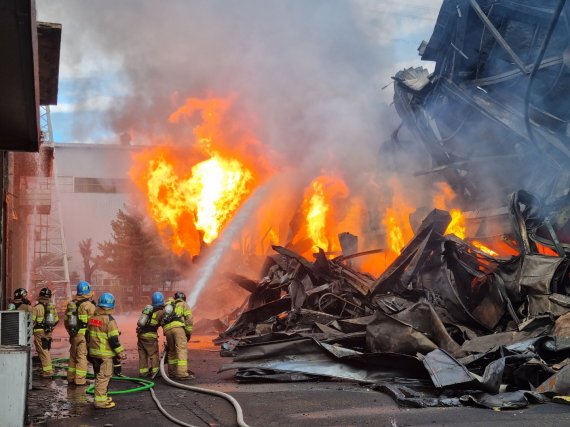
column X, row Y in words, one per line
column 289, row 404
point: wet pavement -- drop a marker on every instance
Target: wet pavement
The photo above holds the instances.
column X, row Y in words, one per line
column 322, row 403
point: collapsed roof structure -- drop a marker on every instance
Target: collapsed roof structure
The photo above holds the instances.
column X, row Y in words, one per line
column 447, row 324
column 493, row 114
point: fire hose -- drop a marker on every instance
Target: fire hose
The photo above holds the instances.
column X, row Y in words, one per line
column 233, row 401
column 146, row 384
column 149, row 385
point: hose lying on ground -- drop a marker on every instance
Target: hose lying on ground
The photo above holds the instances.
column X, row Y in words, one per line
column 146, row 384
column 234, row 402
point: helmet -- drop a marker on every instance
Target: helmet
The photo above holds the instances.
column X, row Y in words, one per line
column 157, row 299
column 20, row 293
column 106, row 300
column 180, row 295
column 83, row 288
column 45, row 293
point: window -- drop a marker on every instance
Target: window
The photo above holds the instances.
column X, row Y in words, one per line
column 100, row 185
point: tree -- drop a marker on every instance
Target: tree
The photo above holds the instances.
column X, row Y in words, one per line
column 89, row 262
column 135, row 253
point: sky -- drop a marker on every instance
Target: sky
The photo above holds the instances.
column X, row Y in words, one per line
column 122, row 63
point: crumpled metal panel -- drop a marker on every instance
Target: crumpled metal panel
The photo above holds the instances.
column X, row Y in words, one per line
column 509, row 400
column 388, row 334
column 414, row 254
column 307, row 356
column 558, row 384
column 444, row 370
column 537, row 273
column 267, row 375
column 406, row 396
column 493, row 375
column 259, row 314
column 562, row 326
column 486, row 343
column 544, row 304
column 418, row 329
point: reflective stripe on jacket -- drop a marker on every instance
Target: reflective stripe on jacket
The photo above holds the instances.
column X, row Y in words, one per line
column 150, row 331
column 182, row 318
column 39, row 312
column 103, row 334
column 85, row 309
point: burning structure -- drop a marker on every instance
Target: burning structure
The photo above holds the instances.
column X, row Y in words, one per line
column 472, row 321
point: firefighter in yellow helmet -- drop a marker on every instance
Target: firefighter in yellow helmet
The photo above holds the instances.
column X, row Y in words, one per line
column 147, row 336
column 76, row 317
column 103, row 345
column 177, row 326
column 44, row 319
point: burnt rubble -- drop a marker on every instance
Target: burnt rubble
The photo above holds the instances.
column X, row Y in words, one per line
column 445, row 324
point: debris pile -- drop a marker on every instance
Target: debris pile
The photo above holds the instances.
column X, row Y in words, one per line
column 445, row 324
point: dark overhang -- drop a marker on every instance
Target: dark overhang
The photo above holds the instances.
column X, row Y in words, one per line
column 21, row 76
column 49, row 42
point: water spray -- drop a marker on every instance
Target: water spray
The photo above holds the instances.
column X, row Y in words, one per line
column 217, row 252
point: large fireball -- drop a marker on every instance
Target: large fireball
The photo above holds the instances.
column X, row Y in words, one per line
column 193, row 191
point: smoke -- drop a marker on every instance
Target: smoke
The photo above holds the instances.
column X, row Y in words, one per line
column 309, row 73
column 308, row 76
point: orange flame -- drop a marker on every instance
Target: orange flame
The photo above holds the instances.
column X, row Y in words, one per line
column 457, row 224
column 322, row 193
column 212, row 192
column 484, row 248
column 395, row 235
column 397, row 221
column 191, row 199
column 317, row 216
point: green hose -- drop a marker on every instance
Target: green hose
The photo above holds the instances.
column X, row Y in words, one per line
column 146, row 384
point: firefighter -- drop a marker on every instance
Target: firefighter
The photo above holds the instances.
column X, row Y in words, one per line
column 177, row 327
column 44, row 318
column 147, row 334
column 103, row 345
column 20, row 301
column 76, row 317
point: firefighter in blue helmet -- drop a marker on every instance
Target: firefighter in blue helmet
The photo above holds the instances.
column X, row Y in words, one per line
column 77, row 314
column 147, row 334
column 103, row 346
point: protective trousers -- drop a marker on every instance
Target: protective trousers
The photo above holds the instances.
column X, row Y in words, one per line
column 148, row 356
column 177, row 352
column 77, row 367
column 42, row 341
column 103, row 368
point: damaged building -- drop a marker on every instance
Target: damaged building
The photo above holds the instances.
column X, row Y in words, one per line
column 447, row 323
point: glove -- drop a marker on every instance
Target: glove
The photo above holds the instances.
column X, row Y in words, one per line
column 123, row 355
column 188, row 336
column 117, row 368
